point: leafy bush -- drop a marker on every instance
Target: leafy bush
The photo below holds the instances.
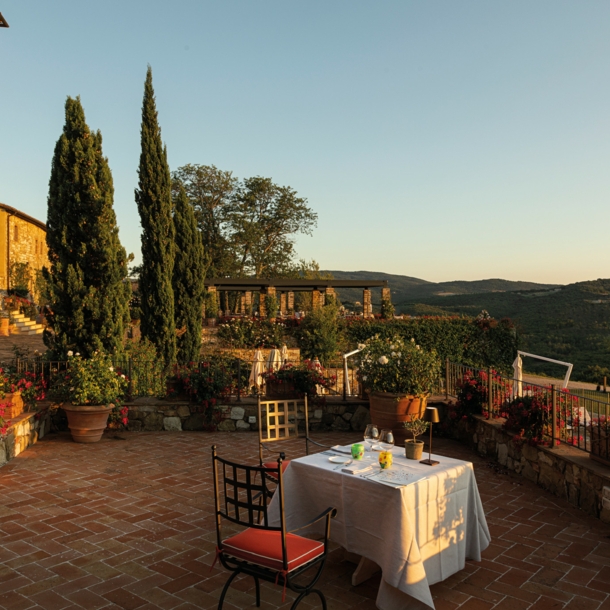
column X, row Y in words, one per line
column 144, row 369
column 91, row 381
column 397, row 366
column 320, row 334
column 251, row 333
column 480, row 343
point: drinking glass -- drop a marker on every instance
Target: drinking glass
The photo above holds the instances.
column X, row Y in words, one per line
column 386, row 440
column 371, row 435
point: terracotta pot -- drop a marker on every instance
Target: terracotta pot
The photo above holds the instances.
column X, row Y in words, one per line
column 389, row 411
column 4, row 327
column 210, row 321
column 280, row 390
column 87, row 423
column 414, row 449
column 15, row 405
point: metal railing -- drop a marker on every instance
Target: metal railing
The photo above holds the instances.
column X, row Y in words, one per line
column 572, row 418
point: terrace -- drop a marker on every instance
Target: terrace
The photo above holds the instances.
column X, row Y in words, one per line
column 128, row 523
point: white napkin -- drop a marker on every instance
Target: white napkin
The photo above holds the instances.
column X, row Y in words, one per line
column 347, row 449
column 358, row 468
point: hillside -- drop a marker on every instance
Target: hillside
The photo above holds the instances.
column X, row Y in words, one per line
column 570, row 323
column 406, row 288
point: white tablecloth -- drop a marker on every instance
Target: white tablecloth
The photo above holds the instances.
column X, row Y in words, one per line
column 419, row 534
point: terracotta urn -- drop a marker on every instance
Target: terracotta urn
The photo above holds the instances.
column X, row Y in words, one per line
column 389, row 411
column 87, row 423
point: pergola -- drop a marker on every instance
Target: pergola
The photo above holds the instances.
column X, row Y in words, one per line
column 286, row 288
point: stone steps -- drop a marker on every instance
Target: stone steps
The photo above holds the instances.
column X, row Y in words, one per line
column 24, row 326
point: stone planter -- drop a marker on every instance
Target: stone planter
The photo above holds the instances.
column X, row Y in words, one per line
column 14, row 404
column 389, row 411
column 280, row 390
column 87, row 423
column 414, row 449
column 210, row 321
column 4, row 332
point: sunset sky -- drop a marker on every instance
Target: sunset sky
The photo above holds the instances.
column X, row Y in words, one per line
column 437, row 139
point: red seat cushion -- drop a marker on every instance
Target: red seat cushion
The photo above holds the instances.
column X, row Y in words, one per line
column 274, row 465
column 265, row 548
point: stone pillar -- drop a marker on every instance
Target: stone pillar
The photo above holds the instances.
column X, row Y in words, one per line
column 271, row 291
column 262, row 309
column 386, row 295
column 242, row 305
column 367, row 306
column 291, row 301
column 316, row 300
column 330, row 292
column 248, row 302
column 283, row 303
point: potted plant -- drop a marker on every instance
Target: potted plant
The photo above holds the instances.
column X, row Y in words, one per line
column 413, row 447
column 399, row 376
column 88, row 390
column 296, row 380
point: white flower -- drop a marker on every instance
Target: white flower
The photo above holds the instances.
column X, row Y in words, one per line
column 70, row 353
column 417, row 347
column 111, row 368
column 412, row 340
column 123, row 376
column 399, row 354
column 77, row 354
column 393, row 354
column 364, row 378
column 383, row 360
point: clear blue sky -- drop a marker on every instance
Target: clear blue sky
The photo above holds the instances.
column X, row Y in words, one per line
column 441, row 140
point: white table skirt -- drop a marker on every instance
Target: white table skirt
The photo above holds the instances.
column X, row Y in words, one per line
column 418, row 534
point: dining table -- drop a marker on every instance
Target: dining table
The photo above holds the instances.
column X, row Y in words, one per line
column 416, row 523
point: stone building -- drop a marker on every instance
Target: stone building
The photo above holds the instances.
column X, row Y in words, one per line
column 23, row 239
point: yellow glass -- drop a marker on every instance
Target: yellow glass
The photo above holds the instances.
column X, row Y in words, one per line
column 385, row 459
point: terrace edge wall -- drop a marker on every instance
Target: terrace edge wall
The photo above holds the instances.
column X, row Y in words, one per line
column 24, row 431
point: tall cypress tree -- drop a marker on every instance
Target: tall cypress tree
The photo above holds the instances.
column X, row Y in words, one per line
column 89, row 297
column 155, row 206
column 188, row 280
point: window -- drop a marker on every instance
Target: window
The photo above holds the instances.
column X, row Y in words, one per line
column 16, row 233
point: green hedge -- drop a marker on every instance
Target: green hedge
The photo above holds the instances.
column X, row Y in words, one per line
column 471, row 341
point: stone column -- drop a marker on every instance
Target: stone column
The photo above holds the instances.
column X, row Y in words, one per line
column 248, row 302
column 367, row 306
column 330, row 292
column 386, row 295
column 316, row 300
column 262, row 309
column 242, row 305
column 283, row 303
column 291, row 301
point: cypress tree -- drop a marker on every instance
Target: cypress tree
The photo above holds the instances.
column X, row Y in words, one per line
column 89, row 297
column 155, row 206
column 188, row 280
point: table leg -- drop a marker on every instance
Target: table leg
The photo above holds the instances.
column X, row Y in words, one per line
column 366, row 568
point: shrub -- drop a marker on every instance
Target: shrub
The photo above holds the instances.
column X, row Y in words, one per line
column 249, row 333
column 397, row 366
column 320, row 334
column 304, row 377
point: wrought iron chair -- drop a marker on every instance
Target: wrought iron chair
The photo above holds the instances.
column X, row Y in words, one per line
column 263, row 551
column 281, row 422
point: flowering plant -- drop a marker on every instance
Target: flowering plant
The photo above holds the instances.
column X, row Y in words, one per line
column 304, row 378
column 250, row 333
column 397, row 366
column 91, row 381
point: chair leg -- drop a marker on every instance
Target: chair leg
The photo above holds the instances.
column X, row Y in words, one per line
column 304, row 594
column 258, row 591
column 226, row 588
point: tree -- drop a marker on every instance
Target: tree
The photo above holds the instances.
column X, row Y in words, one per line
column 262, row 220
column 189, row 275
column 321, row 333
column 87, row 291
column 210, row 191
column 155, row 206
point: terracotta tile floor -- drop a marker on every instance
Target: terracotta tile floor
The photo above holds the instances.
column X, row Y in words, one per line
column 127, row 523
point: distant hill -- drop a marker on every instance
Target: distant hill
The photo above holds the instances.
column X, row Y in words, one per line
column 405, row 289
column 569, row 323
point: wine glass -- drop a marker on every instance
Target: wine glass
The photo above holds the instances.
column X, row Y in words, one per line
column 371, row 434
column 386, row 440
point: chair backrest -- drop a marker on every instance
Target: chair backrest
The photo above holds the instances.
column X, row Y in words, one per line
column 279, row 419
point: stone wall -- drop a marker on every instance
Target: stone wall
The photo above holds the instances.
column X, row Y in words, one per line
column 25, row 430
column 565, row 471
column 149, row 414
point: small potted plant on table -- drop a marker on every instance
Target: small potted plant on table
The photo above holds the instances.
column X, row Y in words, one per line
column 413, row 447
column 88, row 390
